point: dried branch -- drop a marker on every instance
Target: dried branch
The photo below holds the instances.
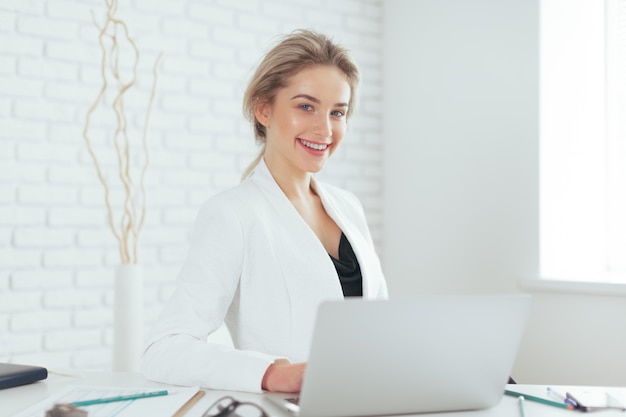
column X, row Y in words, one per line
column 129, row 223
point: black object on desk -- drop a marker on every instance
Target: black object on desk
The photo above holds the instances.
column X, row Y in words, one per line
column 12, row 375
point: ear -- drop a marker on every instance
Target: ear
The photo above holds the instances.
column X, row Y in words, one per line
column 263, row 112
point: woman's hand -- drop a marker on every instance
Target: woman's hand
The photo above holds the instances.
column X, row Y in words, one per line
column 283, row 376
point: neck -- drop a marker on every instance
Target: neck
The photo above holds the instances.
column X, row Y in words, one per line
column 294, row 183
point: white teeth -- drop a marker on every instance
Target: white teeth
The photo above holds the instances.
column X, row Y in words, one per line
column 317, row 147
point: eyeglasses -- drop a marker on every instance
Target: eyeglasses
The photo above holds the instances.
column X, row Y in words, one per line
column 226, row 406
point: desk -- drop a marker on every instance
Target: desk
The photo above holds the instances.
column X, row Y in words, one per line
column 14, row 400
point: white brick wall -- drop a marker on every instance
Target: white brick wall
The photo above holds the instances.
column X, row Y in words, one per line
column 56, row 252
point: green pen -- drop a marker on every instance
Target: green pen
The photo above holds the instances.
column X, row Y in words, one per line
column 539, row 400
column 119, row 398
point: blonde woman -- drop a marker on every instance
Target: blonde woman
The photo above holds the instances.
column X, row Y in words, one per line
column 264, row 254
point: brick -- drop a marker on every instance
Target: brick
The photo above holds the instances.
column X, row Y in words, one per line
column 20, row 45
column 22, row 129
column 72, row 51
column 103, row 278
column 12, row 171
column 32, row 6
column 67, row 133
column 185, row 178
column 23, row 216
column 257, row 23
column 242, row 5
column 169, row 234
column 363, row 25
column 54, row 258
column 40, row 321
column 71, row 10
column 71, row 92
column 166, row 197
column 7, row 20
column 162, row 159
column 72, row 175
column 25, row 301
column 44, row 152
column 76, row 216
column 8, row 65
column 69, row 298
column 212, row 161
column 187, row 67
column 234, row 36
column 51, row 360
column 93, row 318
column 46, row 27
column 37, row 237
column 8, row 193
column 100, row 238
column 212, row 51
column 162, row 7
column 93, row 358
column 207, row 87
column 169, row 45
column 187, row 141
column 23, row 342
column 283, row 10
column 185, row 28
column 211, row 14
column 6, row 237
column 71, row 339
column 95, row 197
column 185, row 104
column 39, row 194
column 40, row 279
column 180, row 217
column 211, row 124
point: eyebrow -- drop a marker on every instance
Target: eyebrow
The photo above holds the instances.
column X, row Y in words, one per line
column 315, row 100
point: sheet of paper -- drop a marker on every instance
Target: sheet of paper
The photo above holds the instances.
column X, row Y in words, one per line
column 162, row 406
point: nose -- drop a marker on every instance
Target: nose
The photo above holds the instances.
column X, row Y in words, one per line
column 323, row 127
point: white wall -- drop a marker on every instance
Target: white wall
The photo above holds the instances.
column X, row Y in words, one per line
column 56, row 251
column 461, row 178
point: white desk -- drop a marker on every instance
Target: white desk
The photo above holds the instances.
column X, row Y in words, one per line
column 14, row 400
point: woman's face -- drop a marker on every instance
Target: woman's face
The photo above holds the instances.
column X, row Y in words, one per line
column 307, row 120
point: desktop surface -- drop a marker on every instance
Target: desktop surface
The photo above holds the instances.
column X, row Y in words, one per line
column 14, row 400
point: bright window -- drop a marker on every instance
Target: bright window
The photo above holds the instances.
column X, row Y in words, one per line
column 583, row 140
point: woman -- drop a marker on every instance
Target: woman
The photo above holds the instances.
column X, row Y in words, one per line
column 264, row 254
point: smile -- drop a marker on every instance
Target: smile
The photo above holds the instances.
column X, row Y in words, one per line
column 316, row 146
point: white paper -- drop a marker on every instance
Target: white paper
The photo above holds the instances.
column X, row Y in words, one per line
column 161, row 406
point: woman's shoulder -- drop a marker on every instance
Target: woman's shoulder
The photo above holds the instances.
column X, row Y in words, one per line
column 240, row 196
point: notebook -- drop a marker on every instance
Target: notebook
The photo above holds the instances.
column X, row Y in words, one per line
column 12, row 375
column 410, row 355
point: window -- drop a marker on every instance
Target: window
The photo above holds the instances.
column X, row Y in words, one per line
column 583, row 140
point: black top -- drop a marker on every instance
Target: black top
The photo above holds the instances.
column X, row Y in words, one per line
column 348, row 269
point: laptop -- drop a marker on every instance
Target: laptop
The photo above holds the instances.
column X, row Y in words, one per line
column 418, row 354
column 13, row 375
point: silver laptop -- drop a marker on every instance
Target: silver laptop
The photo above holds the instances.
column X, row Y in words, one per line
column 410, row 355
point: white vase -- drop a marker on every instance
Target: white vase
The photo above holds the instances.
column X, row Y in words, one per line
column 128, row 318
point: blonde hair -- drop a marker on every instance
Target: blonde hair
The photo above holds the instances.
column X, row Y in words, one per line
column 294, row 52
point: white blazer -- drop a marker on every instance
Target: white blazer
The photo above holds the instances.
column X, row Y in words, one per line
column 256, row 265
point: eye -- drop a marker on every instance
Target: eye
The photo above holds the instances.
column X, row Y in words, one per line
column 338, row 113
column 306, row 107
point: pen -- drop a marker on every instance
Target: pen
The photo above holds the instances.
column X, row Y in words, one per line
column 539, row 400
column 119, row 398
column 567, row 399
column 522, row 409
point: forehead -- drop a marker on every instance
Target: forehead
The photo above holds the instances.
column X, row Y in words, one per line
column 322, row 82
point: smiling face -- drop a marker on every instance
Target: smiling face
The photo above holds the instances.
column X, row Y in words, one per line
column 306, row 121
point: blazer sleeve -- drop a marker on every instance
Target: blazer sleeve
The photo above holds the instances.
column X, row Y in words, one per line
column 177, row 350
